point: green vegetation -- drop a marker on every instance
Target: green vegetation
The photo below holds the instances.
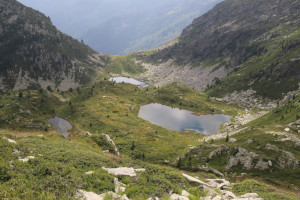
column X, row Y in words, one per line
column 270, row 74
column 124, row 65
column 263, row 190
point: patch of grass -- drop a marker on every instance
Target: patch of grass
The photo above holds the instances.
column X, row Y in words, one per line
column 263, row 190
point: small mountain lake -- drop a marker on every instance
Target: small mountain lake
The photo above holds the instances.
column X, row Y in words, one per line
column 180, row 120
column 60, row 125
column 132, row 81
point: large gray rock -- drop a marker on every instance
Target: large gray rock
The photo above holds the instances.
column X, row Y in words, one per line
column 248, row 160
column 209, row 191
column 185, row 193
column 218, row 183
column 108, row 139
column 232, row 140
column 83, row 195
column 178, row 197
column 262, row 165
column 123, row 171
column 243, row 157
column 287, row 160
column 218, row 197
column 221, row 150
column 228, row 195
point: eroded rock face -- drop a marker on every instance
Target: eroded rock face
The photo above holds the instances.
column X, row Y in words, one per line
column 112, row 143
column 221, row 150
column 287, row 160
column 247, row 159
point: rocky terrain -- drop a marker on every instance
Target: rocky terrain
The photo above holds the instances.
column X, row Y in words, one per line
column 236, row 47
column 112, row 153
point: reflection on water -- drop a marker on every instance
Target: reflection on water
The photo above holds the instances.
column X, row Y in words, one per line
column 181, row 120
column 133, row 81
column 60, row 125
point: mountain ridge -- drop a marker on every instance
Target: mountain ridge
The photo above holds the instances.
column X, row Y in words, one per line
column 241, row 45
column 34, row 53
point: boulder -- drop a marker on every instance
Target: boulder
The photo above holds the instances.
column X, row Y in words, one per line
column 185, row 193
column 249, row 141
column 117, row 185
column 178, row 197
column 287, row 160
column 221, row 150
column 218, row 183
column 89, row 172
column 243, row 157
column 249, row 195
column 113, row 196
column 123, row 171
column 217, row 198
column 83, row 195
column 209, row 191
column 192, row 179
column 26, row 159
column 214, row 171
column 287, row 129
column 262, row 165
column 228, row 195
column 108, row 139
column 10, row 140
column 232, row 140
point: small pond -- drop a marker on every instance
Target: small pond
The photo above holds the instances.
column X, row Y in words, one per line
column 60, row 125
column 132, row 81
column 180, row 120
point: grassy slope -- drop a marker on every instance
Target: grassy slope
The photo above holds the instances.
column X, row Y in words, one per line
column 112, row 108
column 261, row 72
column 275, row 121
column 64, row 162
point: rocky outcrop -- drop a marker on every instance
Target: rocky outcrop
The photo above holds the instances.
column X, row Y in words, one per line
column 84, row 195
column 232, row 140
column 178, row 197
column 248, row 160
column 10, row 140
column 286, row 160
column 26, row 159
column 220, row 151
column 109, row 140
column 123, row 171
column 219, row 189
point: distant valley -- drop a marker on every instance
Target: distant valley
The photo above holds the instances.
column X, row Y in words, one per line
column 213, row 114
column 122, row 26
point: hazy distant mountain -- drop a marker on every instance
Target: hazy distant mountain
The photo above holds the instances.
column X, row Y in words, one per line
column 122, row 26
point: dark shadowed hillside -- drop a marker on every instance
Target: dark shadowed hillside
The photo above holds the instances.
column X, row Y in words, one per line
column 34, row 53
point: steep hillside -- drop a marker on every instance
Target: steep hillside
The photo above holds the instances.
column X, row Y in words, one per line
column 251, row 43
column 34, row 53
